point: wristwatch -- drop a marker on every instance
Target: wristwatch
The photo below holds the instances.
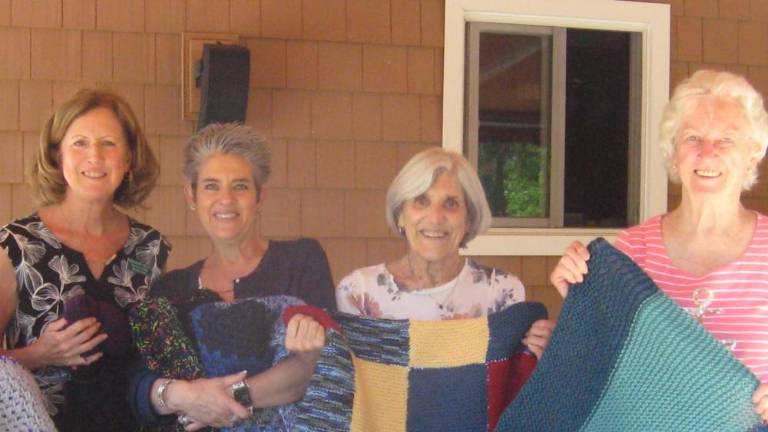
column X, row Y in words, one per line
column 241, row 393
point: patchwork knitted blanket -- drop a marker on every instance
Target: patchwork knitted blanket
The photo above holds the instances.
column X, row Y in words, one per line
column 624, row 357
column 455, row 375
column 372, row 374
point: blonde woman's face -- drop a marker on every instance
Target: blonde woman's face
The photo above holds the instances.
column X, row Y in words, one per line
column 715, row 153
column 94, row 155
column 435, row 222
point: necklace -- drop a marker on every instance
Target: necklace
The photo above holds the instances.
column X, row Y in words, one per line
column 440, row 295
column 442, row 304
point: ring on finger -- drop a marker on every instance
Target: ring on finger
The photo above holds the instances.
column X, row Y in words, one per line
column 184, row 420
column 234, row 419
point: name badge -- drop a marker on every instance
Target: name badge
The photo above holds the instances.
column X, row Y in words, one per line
column 139, row 267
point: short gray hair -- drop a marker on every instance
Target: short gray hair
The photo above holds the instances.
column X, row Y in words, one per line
column 227, row 138
column 421, row 172
column 713, row 83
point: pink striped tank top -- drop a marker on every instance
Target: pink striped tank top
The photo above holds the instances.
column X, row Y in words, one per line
column 732, row 301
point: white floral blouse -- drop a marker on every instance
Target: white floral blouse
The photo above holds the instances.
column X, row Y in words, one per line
column 48, row 272
column 477, row 291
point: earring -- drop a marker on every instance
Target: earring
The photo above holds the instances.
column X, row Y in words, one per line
column 192, row 207
column 401, row 230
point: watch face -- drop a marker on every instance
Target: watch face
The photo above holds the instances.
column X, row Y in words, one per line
column 241, row 394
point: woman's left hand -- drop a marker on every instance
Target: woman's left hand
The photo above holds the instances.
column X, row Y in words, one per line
column 304, row 335
column 760, row 399
column 538, row 335
column 207, row 401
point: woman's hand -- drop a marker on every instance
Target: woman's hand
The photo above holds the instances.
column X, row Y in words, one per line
column 760, row 399
column 538, row 335
column 62, row 345
column 207, row 401
column 571, row 268
column 304, row 335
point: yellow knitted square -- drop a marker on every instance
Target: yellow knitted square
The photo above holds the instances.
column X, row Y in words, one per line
column 381, row 397
column 450, row 343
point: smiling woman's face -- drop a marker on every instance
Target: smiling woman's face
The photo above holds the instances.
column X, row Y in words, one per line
column 435, row 222
column 226, row 197
column 714, row 153
column 94, row 155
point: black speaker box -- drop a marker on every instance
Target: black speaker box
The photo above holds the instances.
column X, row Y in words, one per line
column 223, row 84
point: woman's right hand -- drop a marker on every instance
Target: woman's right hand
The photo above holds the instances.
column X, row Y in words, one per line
column 208, row 401
column 304, row 335
column 65, row 345
column 571, row 268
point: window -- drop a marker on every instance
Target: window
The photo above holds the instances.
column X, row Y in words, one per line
column 557, row 105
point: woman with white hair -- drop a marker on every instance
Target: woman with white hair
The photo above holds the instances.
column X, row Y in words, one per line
column 437, row 204
column 709, row 253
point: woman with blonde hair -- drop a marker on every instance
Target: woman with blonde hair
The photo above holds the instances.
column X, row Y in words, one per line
column 69, row 271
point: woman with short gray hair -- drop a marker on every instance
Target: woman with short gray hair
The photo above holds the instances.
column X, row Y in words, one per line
column 226, row 168
column 418, row 176
column 437, row 204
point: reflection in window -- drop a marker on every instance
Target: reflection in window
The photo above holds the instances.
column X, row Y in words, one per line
column 548, row 124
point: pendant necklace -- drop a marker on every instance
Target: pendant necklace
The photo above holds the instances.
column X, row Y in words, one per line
column 448, row 292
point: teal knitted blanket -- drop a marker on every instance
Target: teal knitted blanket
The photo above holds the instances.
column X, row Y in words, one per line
column 624, row 357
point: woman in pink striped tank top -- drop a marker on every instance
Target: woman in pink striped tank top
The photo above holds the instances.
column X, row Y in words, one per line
column 710, row 254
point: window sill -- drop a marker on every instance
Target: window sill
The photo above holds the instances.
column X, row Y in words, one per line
column 533, row 241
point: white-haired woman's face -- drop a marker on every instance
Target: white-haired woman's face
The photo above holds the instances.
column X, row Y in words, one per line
column 715, row 153
column 435, row 222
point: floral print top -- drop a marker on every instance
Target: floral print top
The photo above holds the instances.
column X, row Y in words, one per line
column 48, row 273
column 476, row 291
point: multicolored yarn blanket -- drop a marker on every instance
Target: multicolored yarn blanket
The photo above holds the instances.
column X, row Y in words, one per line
column 455, row 375
column 228, row 337
column 624, row 357
column 372, row 375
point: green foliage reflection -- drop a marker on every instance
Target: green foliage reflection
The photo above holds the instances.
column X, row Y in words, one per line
column 515, row 177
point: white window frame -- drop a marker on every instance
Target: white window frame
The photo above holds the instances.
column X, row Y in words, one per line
column 650, row 20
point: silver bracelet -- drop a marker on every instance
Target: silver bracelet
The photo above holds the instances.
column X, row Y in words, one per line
column 161, row 393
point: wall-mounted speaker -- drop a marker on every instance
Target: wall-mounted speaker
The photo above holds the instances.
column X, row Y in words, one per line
column 225, row 70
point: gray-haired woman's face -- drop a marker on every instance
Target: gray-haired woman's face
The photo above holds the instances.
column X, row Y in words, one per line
column 714, row 152
column 226, row 197
column 435, row 222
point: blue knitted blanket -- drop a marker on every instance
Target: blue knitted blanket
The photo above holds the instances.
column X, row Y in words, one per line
column 624, row 357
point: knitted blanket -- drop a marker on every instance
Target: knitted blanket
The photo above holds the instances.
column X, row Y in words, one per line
column 455, row 375
column 372, row 374
column 21, row 403
column 227, row 337
column 624, row 357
